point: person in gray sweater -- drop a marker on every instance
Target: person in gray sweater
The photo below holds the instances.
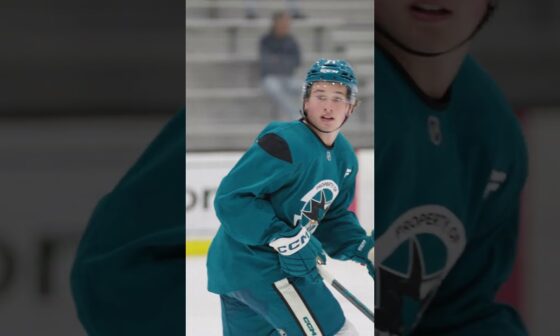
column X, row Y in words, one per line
column 279, row 57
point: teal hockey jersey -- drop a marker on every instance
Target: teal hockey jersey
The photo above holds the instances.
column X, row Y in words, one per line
column 288, row 177
column 448, row 176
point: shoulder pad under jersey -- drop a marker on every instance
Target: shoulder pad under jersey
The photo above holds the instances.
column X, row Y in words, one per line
column 276, row 146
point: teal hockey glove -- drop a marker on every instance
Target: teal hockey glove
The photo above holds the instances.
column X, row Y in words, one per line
column 298, row 254
column 364, row 254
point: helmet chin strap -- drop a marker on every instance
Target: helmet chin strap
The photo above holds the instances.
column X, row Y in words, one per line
column 379, row 29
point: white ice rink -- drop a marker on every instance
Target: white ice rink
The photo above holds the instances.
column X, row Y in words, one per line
column 203, row 308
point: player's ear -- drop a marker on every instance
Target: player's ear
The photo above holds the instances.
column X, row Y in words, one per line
column 350, row 110
column 353, row 107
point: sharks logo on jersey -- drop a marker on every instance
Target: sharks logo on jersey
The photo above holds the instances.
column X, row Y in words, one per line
column 414, row 254
column 316, row 203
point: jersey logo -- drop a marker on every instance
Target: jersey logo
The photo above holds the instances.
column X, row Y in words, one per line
column 316, row 203
column 497, row 178
column 434, row 130
column 348, row 172
column 414, row 256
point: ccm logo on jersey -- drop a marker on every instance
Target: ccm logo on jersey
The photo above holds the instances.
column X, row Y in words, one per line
column 290, row 245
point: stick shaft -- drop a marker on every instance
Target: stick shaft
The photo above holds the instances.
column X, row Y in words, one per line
column 346, row 293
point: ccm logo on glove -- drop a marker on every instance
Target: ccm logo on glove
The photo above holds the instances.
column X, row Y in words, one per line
column 290, row 245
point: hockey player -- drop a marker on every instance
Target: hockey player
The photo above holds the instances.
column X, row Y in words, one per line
column 450, row 165
column 283, row 203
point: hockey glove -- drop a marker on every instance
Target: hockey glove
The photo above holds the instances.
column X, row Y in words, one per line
column 365, row 254
column 298, row 254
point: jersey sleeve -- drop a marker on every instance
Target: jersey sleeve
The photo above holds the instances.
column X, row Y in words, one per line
column 242, row 202
column 131, row 259
column 340, row 231
column 465, row 303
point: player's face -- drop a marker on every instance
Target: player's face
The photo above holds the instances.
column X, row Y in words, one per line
column 430, row 25
column 327, row 106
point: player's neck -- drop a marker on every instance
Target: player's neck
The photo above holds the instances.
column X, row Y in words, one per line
column 432, row 75
column 327, row 139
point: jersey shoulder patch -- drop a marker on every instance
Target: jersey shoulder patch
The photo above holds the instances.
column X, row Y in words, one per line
column 276, row 146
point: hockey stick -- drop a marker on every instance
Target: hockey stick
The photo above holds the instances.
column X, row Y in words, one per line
column 344, row 292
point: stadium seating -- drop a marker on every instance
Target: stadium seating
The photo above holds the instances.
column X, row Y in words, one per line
column 225, row 104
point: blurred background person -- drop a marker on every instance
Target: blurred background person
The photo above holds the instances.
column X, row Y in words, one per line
column 279, row 57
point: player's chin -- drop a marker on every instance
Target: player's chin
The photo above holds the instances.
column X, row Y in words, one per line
column 332, row 126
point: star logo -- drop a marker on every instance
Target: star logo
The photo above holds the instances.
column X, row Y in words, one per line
column 416, row 252
column 315, row 213
column 316, row 203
